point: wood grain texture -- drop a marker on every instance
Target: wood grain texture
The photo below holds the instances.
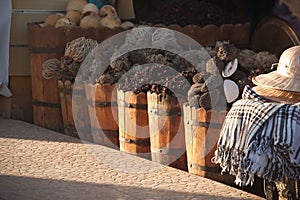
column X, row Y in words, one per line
column 103, row 114
column 133, row 123
column 201, row 142
column 166, row 131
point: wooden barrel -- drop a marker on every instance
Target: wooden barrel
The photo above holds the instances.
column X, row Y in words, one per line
column 74, row 105
column 166, row 131
column 202, row 130
column 133, row 123
column 103, row 112
column 46, row 102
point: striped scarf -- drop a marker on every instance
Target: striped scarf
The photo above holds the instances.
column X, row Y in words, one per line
column 260, row 138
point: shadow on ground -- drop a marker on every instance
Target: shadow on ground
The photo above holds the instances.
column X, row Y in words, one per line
column 23, row 188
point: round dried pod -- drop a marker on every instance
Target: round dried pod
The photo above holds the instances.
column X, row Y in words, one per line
column 75, row 5
column 90, row 21
column 91, row 9
column 74, row 16
column 200, row 77
column 195, row 90
column 106, row 78
column 194, row 101
column 65, row 22
column 51, row 69
column 109, row 17
column 227, row 52
column 214, row 65
column 52, row 19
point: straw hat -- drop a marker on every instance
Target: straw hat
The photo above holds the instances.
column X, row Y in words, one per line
column 277, row 95
column 287, row 76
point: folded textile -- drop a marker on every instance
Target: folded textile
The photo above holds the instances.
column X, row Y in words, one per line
column 260, row 138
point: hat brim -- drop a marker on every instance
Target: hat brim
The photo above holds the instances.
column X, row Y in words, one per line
column 274, row 80
column 277, row 95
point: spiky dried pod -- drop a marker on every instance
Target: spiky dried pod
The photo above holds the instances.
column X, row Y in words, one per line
column 79, row 48
column 200, row 77
column 51, row 69
column 227, row 52
column 122, row 63
column 195, row 90
column 106, row 78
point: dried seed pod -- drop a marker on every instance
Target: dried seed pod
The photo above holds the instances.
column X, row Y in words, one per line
column 90, row 21
column 109, row 17
column 214, row 65
column 200, row 77
column 227, row 52
column 106, row 78
column 195, row 90
column 52, row 19
column 51, row 69
column 65, row 22
column 90, row 8
column 79, row 48
column 74, row 16
column 121, row 63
